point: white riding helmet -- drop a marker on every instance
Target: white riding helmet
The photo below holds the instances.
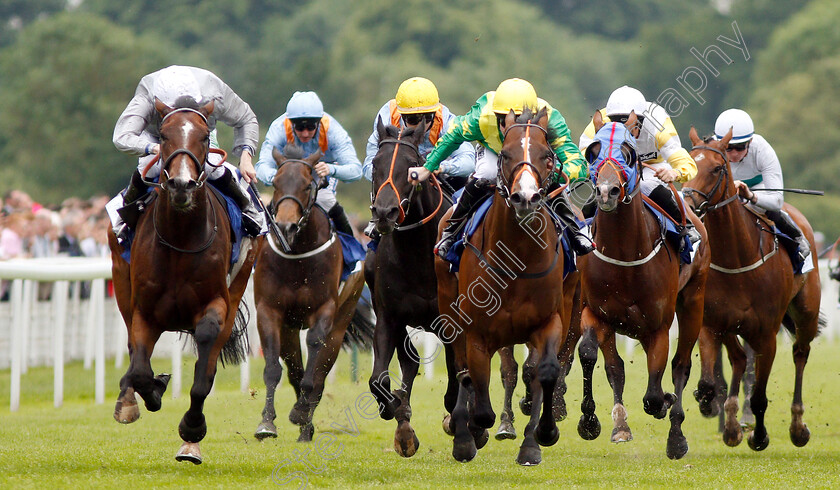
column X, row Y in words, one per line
column 304, row 105
column 740, row 122
column 625, row 100
column 175, row 82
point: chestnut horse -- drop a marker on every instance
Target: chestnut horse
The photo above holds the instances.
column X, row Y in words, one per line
column 299, row 289
column 752, row 290
column 633, row 284
column 178, row 279
column 509, row 291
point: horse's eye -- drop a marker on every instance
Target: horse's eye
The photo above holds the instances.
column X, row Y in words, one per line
column 717, row 169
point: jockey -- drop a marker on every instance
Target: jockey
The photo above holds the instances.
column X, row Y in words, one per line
column 657, row 145
column 485, row 123
column 137, row 133
column 755, row 166
column 417, row 103
column 305, row 124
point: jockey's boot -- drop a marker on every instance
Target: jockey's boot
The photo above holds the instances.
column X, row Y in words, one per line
column 665, row 199
column 339, row 218
column 786, row 225
column 474, row 191
column 252, row 218
column 581, row 243
column 129, row 213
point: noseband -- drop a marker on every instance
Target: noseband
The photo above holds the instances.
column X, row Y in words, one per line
column 503, row 184
column 305, row 209
column 405, row 203
column 704, row 206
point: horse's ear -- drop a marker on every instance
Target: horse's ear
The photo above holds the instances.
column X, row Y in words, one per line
column 278, row 156
column 542, row 118
column 724, row 142
column 313, row 158
column 380, row 128
column 694, row 137
column 207, row 108
column 162, row 108
column 632, row 121
column 592, row 151
column 598, row 121
column 510, row 119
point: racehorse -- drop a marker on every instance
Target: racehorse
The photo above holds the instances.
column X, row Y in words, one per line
column 401, row 275
column 633, row 284
column 752, row 290
column 178, row 277
column 509, row 291
column 299, row 288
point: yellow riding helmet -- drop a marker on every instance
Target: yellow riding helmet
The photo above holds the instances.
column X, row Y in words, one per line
column 516, row 94
column 417, row 95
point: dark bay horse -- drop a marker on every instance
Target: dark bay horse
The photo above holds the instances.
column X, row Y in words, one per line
column 752, row 289
column 401, row 276
column 299, row 289
column 633, row 284
column 178, row 279
column 509, row 291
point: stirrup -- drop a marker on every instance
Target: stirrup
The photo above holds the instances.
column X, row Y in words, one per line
column 443, row 245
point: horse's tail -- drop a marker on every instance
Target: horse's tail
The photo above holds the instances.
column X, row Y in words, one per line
column 237, row 346
column 359, row 333
column 822, row 322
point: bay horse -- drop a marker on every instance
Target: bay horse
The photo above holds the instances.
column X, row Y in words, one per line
column 401, row 276
column 633, row 284
column 509, row 291
column 178, row 279
column 752, row 290
column 299, row 289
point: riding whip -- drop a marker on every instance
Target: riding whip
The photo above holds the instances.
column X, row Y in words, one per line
column 272, row 225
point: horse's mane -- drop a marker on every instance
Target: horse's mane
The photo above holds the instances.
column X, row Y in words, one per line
column 186, row 102
column 294, row 152
column 528, row 116
column 708, row 138
column 392, row 131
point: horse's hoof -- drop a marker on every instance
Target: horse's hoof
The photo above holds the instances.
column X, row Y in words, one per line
column 447, row 425
column 405, row 440
column 529, row 455
column 525, row 406
column 126, row 410
column 464, row 451
column 732, row 438
column 758, row 445
column 800, row 437
column 548, row 437
column 621, row 435
column 506, row 431
column 189, row 452
column 677, row 446
column 192, row 434
column 265, row 429
column 480, row 436
column 306, row 433
column 589, row 428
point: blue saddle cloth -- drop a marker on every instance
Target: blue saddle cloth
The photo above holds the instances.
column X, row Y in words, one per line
column 234, row 215
column 453, row 256
column 353, row 252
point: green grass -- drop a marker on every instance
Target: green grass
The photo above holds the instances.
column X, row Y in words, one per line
column 80, row 445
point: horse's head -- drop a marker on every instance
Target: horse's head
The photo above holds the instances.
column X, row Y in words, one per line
column 184, row 145
column 526, row 161
column 391, row 196
column 613, row 165
column 295, row 187
column 713, row 182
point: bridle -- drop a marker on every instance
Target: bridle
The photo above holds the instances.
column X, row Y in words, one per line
column 503, row 184
column 305, row 209
column 405, row 203
column 704, row 207
column 595, row 169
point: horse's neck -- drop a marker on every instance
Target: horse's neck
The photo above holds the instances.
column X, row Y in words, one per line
column 732, row 233
column 315, row 232
column 502, row 228
column 629, row 229
column 198, row 220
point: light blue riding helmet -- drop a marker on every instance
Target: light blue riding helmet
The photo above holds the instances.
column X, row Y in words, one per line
column 304, row 105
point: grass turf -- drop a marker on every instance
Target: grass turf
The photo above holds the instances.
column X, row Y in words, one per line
column 80, row 445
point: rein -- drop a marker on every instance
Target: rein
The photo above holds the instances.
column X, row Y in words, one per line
column 704, row 206
column 503, row 185
column 405, row 203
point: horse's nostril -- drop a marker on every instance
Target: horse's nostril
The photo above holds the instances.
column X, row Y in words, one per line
column 535, row 198
column 614, row 192
column 516, row 198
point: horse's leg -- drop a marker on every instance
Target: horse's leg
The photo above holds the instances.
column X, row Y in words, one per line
column 290, row 352
column 806, row 319
column 323, row 340
column 530, row 452
column 720, row 389
column 510, row 373
column 588, row 427
column 405, row 439
column 478, row 361
column 385, row 338
column 463, row 444
column 139, row 377
column 732, row 433
column 269, row 324
column 765, row 354
column 567, row 357
column 655, row 401
column 210, row 337
column 747, row 416
column 710, row 369
column 614, row 366
column 529, row 369
column 450, row 398
column 547, row 342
